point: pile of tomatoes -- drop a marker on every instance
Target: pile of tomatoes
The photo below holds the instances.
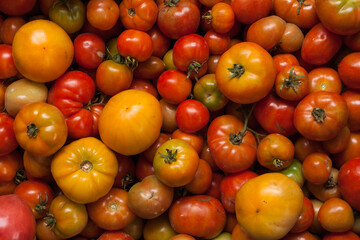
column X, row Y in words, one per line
column 179, row 119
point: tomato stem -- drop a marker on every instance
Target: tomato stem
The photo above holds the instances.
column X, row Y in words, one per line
column 131, row 12
column 292, row 81
column 50, row 220
column 236, row 139
column 330, row 183
column 237, row 71
column 169, row 157
column 318, row 114
column 41, row 206
column 193, row 67
column 131, row 62
column 126, row 181
column 207, row 17
column 86, row 166
column 301, row 3
column 20, row 176
column 171, row 3
column 32, row 130
column 278, row 163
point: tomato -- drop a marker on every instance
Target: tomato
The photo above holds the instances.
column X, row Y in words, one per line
column 339, row 143
column 66, row 218
column 340, row 17
column 230, row 185
column 173, row 86
column 151, row 151
column 161, row 43
column 182, row 236
column 150, row 198
column 348, row 69
column 190, row 53
column 353, row 41
column 283, row 60
column 45, row 40
column 329, row 189
column 7, row 134
column 143, row 168
column 292, row 83
column 43, row 232
column 191, row 116
column 9, row 27
column 37, row 194
column 195, row 139
column 102, row 14
column 279, row 114
column 134, row 229
column 120, row 120
column 221, row 17
column 134, row 45
column 150, row 69
column 202, row 179
column 338, row 236
column 258, row 210
column 302, row 13
column 115, row 235
column 139, row 15
column 91, row 230
column 17, row 7
column 232, row 147
column 351, row 151
column 89, row 50
column 69, row 15
column 247, row 12
column 352, row 98
column 245, row 73
column 239, row 234
column 305, row 219
column 218, row 42
column 111, row 212
column 187, row 211
column 304, row 146
column 176, row 162
column 72, row 94
column 84, row 160
column 320, row 45
column 169, row 121
column 315, row 226
column 177, row 18
column 105, row 34
column 275, row 152
column 320, row 116
column 212, row 63
column 38, row 167
column 40, row 128
column 7, row 66
column 349, row 176
column 294, row 171
column 300, row 236
column 158, row 228
column 324, row 79
column 11, row 166
column 336, row 215
column 317, row 168
column 125, row 175
column 17, row 220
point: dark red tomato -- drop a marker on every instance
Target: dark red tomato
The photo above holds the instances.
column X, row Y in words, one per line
column 143, row 168
column 115, row 235
column 144, row 85
column 134, row 45
column 126, row 171
column 9, row 27
column 248, row 11
column 351, row 151
column 320, row 116
column 190, row 53
column 105, row 34
column 202, row 179
column 16, row 7
column 89, row 50
column 150, row 69
column 11, row 167
column 214, row 189
column 191, row 116
column 349, row 182
column 161, row 43
column 16, row 219
column 186, row 213
column 177, row 18
column 306, row 217
column 348, row 69
column 352, row 98
column 218, row 42
column 230, row 185
column 340, row 236
column 320, row 45
column 37, row 194
column 7, row 65
column 72, row 94
column 275, row 114
column 7, row 134
column 353, row 42
column 173, row 86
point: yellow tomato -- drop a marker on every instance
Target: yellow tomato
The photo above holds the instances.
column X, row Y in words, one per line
column 130, row 122
column 85, row 170
column 268, row 206
column 42, row 50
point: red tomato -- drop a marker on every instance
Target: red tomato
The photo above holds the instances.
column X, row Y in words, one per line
column 349, row 179
column 248, row 11
column 173, row 86
column 9, row 27
column 317, row 168
column 7, row 134
column 102, row 14
column 349, row 70
column 352, row 150
column 115, row 235
column 7, row 65
column 340, row 236
column 306, row 217
column 89, row 50
column 161, row 43
column 150, row 69
column 126, row 172
column 284, row 60
column 324, row 79
column 17, row 219
column 202, row 179
column 352, row 98
column 221, row 17
column 17, row 7
column 218, row 42
column 191, row 116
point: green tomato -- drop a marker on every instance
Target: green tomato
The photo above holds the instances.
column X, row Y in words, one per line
column 223, row 236
column 294, row 171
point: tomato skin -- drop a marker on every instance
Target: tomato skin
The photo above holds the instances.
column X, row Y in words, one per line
column 352, row 150
column 195, row 139
column 352, row 98
column 294, row 171
column 187, row 211
column 279, row 114
column 191, row 116
column 7, row 65
column 283, row 60
column 255, row 66
column 89, row 50
column 306, row 217
column 317, row 118
column 161, row 43
column 115, row 235
column 150, row 69
column 158, row 228
column 222, row 17
column 139, row 15
column 320, row 45
column 330, row 189
column 40, row 128
column 317, row 168
column 339, row 236
column 247, row 12
column 324, row 79
column 136, row 44
column 349, row 176
column 17, row 7
column 7, row 134
column 102, row 14
column 55, row 49
column 10, row 164
column 121, row 117
column 229, row 155
column 348, row 70
column 66, row 217
column 9, row 27
column 17, row 220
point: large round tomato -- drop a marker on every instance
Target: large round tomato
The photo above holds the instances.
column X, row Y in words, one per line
column 42, row 50
column 349, row 179
column 130, row 122
column 40, row 128
column 17, row 220
column 85, row 170
column 245, row 73
column 186, row 212
column 268, row 206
